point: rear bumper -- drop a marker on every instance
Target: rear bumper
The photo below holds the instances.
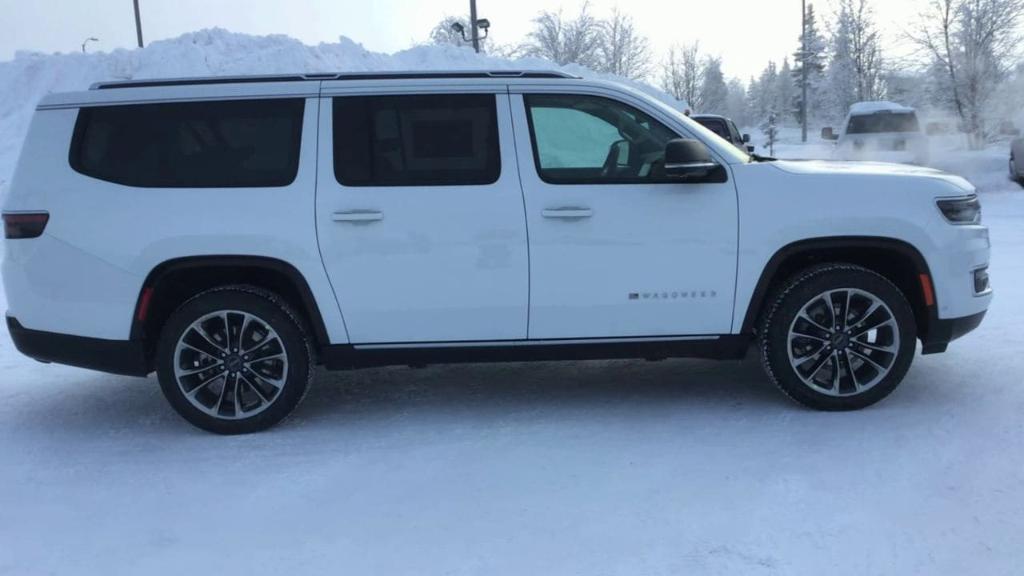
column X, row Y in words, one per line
column 126, row 357
column 942, row 332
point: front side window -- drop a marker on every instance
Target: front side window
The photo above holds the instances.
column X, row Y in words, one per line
column 419, row 140
column 218, row 144
column 580, row 139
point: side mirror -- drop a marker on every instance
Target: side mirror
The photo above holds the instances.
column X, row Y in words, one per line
column 828, row 134
column 688, row 160
column 746, row 138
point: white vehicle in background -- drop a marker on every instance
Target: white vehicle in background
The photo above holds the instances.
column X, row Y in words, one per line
column 1017, row 160
column 880, row 131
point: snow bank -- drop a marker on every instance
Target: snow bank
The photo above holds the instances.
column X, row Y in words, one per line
column 30, row 76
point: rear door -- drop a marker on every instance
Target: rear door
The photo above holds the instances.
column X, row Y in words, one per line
column 420, row 213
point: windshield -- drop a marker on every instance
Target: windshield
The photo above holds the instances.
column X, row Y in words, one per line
column 883, row 122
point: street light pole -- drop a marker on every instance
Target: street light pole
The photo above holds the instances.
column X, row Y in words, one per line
column 803, row 71
column 472, row 26
column 138, row 23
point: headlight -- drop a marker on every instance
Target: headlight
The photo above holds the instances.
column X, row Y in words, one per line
column 961, row 210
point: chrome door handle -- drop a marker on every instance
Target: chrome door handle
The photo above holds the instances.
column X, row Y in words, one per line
column 567, row 213
column 358, row 216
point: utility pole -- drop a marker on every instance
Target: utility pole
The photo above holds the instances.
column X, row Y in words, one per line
column 803, row 70
column 138, row 23
column 472, row 26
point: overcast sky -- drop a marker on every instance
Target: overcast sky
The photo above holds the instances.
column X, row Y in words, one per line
column 745, row 33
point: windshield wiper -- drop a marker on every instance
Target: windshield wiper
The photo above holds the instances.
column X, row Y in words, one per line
column 759, row 158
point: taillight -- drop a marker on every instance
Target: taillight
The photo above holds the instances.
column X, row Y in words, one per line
column 20, row 225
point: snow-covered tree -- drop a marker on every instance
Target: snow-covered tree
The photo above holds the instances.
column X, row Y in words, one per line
column 623, row 50
column 840, row 89
column 736, row 103
column 865, row 48
column 567, row 41
column 810, row 54
column 785, row 92
column 444, row 34
column 683, row 74
column 714, row 92
column 971, row 46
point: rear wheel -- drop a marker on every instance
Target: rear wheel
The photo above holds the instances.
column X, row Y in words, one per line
column 838, row 337
column 234, row 360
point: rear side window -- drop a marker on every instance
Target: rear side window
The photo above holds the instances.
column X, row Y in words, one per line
column 421, row 140
column 222, row 144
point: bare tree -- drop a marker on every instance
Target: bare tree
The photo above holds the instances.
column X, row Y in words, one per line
column 567, row 41
column 683, row 74
column 974, row 44
column 624, row 51
column 444, row 34
column 866, row 49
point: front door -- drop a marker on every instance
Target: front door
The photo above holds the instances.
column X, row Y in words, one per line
column 616, row 248
column 420, row 216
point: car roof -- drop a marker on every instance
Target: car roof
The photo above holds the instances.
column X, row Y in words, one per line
column 880, row 106
column 708, row 117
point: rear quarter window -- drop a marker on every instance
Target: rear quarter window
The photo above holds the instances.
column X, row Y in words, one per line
column 218, row 144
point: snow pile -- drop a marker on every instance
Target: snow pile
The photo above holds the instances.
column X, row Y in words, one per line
column 30, row 76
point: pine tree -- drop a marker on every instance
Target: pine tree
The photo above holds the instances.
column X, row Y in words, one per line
column 713, row 91
column 841, row 82
column 813, row 59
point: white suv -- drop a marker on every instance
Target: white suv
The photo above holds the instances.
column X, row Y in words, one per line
column 231, row 233
column 883, row 131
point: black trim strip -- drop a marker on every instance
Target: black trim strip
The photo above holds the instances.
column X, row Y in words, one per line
column 127, row 357
column 816, row 244
column 166, row 269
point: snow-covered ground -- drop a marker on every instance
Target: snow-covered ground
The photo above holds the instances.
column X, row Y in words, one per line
column 624, row 467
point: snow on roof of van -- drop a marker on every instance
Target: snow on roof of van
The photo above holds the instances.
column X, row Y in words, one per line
column 864, row 108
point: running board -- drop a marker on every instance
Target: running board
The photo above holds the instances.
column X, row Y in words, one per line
column 347, row 356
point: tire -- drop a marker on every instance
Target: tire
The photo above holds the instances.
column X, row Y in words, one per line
column 220, row 390
column 803, row 360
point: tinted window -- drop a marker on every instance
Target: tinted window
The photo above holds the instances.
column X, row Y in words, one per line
column 422, row 140
column 883, row 122
column 236, row 143
column 592, row 140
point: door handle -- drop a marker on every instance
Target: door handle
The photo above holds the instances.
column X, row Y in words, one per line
column 358, row 216
column 573, row 213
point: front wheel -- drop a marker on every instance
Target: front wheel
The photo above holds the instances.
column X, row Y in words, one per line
column 838, row 337
column 234, row 360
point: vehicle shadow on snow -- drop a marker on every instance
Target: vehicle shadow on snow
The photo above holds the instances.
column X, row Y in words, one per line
column 94, row 403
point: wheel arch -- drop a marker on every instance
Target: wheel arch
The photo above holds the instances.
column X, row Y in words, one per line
column 897, row 260
column 171, row 283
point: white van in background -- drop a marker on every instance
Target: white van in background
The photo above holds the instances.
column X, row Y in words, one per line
column 880, row 131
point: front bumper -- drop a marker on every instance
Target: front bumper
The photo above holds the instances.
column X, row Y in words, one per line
column 127, row 357
column 942, row 332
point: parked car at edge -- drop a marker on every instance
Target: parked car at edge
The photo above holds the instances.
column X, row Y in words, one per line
column 725, row 128
column 232, row 233
column 880, row 131
column 1017, row 160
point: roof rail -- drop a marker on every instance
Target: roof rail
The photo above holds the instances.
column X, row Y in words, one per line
column 147, row 83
